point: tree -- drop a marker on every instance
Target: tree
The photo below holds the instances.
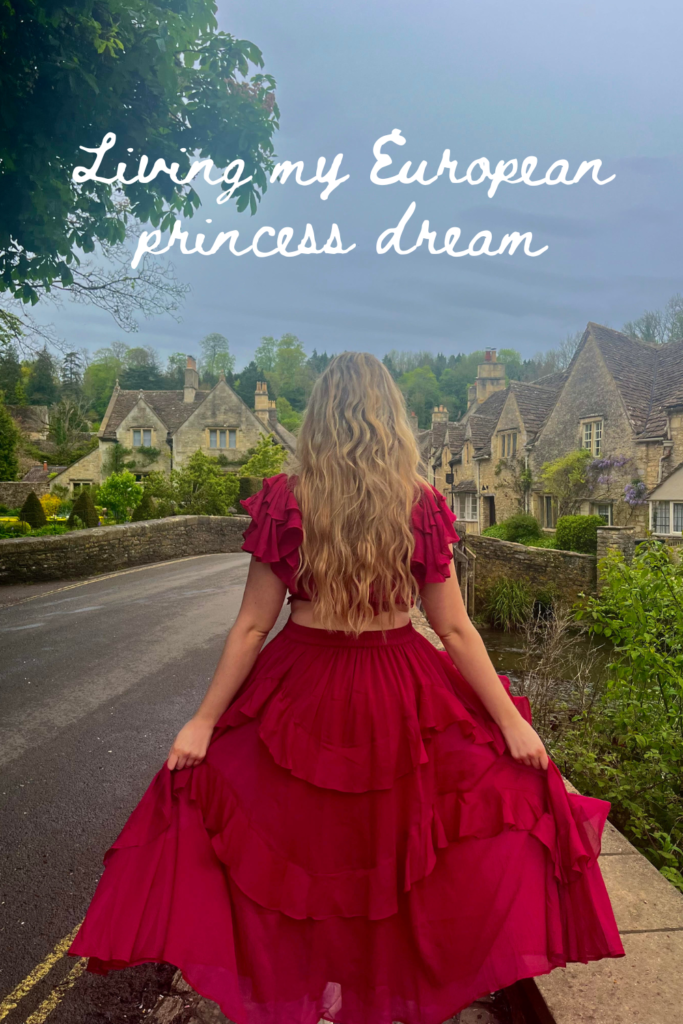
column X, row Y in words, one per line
column 72, row 375
column 100, row 377
column 659, row 325
column 216, row 357
column 318, row 362
column 32, row 512
column 266, row 458
column 119, row 494
column 288, row 417
column 42, row 383
column 145, row 509
column 568, row 480
column 9, row 439
column 69, row 431
column 140, row 371
column 264, row 356
column 83, row 512
column 10, row 372
column 117, row 459
column 421, row 390
column 175, row 371
column 163, row 81
column 202, row 489
column 245, row 384
column 291, row 377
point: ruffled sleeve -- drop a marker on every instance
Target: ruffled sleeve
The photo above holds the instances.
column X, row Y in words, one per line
column 434, row 534
column 275, row 532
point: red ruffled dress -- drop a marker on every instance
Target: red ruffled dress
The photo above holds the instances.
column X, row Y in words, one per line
column 358, row 845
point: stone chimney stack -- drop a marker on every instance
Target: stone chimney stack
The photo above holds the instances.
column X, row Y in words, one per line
column 191, row 380
column 439, row 415
column 490, row 377
column 261, row 403
column 272, row 414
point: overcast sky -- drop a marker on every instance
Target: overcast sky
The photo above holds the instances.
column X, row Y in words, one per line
column 579, row 81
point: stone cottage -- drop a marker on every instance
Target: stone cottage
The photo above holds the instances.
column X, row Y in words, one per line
column 620, row 398
column 165, row 428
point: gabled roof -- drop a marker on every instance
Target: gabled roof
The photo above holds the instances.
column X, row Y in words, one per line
column 648, row 377
column 169, row 406
column 37, row 474
column 535, row 401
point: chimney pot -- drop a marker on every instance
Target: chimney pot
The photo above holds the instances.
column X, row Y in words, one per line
column 45, row 466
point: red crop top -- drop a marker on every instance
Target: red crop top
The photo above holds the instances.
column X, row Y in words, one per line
column 275, row 533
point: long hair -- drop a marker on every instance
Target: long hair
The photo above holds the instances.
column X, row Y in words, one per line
column 357, row 482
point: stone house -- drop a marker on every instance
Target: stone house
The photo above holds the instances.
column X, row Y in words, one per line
column 165, row 428
column 620, row 398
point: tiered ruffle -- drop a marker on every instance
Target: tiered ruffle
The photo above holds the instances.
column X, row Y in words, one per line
column 357, row 804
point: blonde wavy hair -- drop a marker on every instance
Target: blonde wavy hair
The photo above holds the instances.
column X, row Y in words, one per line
column 356, row 485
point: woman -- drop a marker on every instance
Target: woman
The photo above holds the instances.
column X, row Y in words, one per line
column 354, row 826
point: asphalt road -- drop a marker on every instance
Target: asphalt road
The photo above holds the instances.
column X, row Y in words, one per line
column 95, row 680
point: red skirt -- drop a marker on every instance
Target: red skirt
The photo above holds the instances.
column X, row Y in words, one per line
column 358, row 846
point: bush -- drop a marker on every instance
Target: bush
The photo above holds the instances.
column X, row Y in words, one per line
column 508, row 604
column 120, row 494
column 267, row 458
column 629, row 749
column 50, row 529
column 578, row 533
column 145, row 510
column 51, row 504
column 201, row 488
column 249, row 485
column 517, row 528
column 32, row 512
column 84, row 511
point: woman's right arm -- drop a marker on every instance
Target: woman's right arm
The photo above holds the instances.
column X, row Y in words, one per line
column 261, row 604
column 448, row 618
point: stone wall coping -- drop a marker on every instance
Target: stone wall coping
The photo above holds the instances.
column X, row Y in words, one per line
column 548, row 552
column 118, row 529
column 646, row 985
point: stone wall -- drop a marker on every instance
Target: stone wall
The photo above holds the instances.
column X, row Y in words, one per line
column 566, row 573
column 109, row 548
column 13, row 493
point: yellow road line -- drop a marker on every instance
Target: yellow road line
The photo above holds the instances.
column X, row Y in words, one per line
column 99, row 579
column 57, row 994
column 37, row 974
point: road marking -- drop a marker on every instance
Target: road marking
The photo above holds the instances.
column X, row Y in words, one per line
column 37, row 974
column 57, row 994
column 15, row 629
column 110, row 576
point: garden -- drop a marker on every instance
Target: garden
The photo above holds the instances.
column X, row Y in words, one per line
column 202, row 487
column 605, row 681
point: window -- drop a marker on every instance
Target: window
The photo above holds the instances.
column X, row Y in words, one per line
column 222, row 439
column 508, row 444
column 142, row 438
column 604, row 510
column 592, row 436
column 78, row 485
column 548, row 512
column 466, row 507
column 667, row 516
column 660, row 516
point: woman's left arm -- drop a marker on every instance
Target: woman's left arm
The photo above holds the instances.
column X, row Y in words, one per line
column 261, row 604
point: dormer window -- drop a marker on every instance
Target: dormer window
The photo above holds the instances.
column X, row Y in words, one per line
column 592, row 436
column 508, row 444
column 142, row 438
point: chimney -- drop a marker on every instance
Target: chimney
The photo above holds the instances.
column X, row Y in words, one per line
column 191, row 380
column 272, row 414
column 439, row 415
column 490, row 376
column 261, row 404
column 45, row 467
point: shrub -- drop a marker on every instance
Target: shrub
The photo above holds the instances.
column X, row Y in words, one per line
column 32, row 512
column 578, row 533
column 84, row 511
column 508, row 604
column 629, row 750
column 249, row 485
column 515, row 528
column 145, row 509
column 201, row 488
column 120, row 494
column 50, row 529
column 266, row 458
column 51, row 504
